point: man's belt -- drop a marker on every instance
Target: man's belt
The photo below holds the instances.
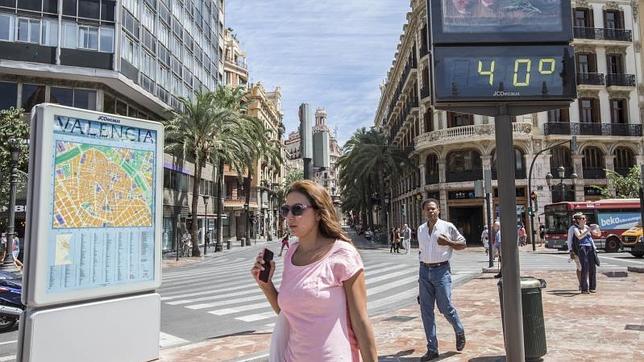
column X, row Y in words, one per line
column 434, row 265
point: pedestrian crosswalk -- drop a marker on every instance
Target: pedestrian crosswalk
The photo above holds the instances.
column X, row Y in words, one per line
column 225, row 290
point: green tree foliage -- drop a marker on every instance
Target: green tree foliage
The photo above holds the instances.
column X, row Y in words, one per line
column 366, row 162
column 622, row 187
column 13, row 125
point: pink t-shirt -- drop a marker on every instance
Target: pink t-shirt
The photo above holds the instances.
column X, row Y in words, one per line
column 313, row 301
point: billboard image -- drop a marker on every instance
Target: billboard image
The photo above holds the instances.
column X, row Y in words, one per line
column 618, row 220
column 498, row 16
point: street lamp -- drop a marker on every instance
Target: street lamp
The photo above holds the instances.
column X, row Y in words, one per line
column 387, row 202
column 14, row 149
column 561, row 173
column 206, row 226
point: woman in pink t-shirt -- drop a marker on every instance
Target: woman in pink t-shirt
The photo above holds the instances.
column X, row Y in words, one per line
column 322, row 294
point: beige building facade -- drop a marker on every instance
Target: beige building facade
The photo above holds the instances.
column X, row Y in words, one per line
column 452, row 150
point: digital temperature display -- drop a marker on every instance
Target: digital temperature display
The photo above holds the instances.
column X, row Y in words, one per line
column 496, row 74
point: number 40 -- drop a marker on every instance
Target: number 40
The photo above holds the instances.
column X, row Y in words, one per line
column 546, row 67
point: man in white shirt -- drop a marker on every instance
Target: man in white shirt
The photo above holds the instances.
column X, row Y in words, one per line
column 436, row 240
column 406, row 234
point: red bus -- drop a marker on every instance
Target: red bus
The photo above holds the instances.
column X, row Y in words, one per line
column 613, row 216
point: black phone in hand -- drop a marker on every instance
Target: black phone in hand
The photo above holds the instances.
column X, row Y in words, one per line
column 268, row 256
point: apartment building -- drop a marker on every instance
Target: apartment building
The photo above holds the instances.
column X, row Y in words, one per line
column 452, row 150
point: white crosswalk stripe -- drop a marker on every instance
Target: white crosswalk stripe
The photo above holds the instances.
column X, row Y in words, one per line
column 238, row 297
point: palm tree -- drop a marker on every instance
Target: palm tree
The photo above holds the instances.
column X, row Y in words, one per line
column 205, row 131
column 366, row 161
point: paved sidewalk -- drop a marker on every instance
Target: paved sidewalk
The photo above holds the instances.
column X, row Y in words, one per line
column 605, row 326
column 169, row 259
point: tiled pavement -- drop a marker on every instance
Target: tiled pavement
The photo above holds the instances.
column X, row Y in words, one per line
column 607, row 326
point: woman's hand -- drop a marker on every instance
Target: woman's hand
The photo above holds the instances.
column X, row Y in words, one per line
column 258, row 267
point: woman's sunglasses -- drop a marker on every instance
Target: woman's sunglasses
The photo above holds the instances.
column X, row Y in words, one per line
column 296, row 210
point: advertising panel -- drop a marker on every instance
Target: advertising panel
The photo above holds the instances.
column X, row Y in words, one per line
column 617, row 220
column 97, row 218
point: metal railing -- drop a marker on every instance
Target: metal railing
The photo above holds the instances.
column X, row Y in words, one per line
column 624, row 80
column 592, row 129
column 591, row 78
column 469, row 175
column 603, row 34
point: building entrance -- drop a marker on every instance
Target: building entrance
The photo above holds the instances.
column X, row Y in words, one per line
column 469, row 221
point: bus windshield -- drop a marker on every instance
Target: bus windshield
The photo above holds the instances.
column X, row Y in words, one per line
column 558, row 222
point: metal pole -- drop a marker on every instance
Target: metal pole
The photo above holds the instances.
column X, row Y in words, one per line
column 205, row 226
column 8, row 263
column 308, row 168
column 513, row 311
column 490, row 253
column 178, row 237
column 642, row 196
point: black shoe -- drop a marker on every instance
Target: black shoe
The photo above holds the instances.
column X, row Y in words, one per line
column 429, row 356
column 497, row 276
column 460, row 341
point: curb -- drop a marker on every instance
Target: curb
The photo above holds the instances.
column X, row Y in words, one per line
column 636, row 269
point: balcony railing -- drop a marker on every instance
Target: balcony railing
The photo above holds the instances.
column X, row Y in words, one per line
column 469, row 132
column 469, row 175
column 590, row 78
column 603, row 34
column 594, row 173
column 518, row 174
column 431, row 178
column 592, row 129
column 624, row 80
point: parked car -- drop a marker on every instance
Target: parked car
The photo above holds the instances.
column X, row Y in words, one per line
column 633, row 241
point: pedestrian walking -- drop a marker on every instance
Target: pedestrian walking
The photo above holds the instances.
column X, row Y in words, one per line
column 406, row 236
column 497, row 246
column 523, row 236
column 437, row 239
column 3, row 246
column 485, row 239
column 397, row 241
column 572, row 252
column 584, row 248
column 15, row 252
column 542, row 233
column 284, row 243
column 321, row 302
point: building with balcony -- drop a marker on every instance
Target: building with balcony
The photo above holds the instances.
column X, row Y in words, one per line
column 132, row 58
column 452, row 150
column 235, row 66
column 257, row 193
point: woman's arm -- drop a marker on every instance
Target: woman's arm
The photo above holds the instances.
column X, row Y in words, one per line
column 580, row 234
column 356, row 292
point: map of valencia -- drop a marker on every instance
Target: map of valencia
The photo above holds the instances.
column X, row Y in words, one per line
column 100, row 186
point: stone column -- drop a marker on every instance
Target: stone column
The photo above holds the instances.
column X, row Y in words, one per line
column 442, row 174
column 486, row 160
column 609, row 164
column 423, row 172
column 578, row 168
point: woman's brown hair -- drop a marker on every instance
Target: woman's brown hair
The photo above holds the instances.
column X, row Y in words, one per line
column 320, row 200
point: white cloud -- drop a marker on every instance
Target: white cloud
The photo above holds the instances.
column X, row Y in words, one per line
column 331, row 53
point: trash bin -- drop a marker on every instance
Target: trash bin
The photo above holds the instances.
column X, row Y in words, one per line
column 243, row 242
column 228, row 242
column 534, row 330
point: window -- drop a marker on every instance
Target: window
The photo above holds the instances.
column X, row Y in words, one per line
column 70, row 35
column 148, row 64
column 588, row 110
column 106, row 40
column 85, row 99
column 163, row 34
column 615, row 63
column 459, row 119
column 613, row 19
column 618, row 111
column 87, row 37
column 133, row 6
column 89, row 9
column 130, row 51
column 586, row 63
column 64, row 96
column 131, row 24
column 32, row 95
column 121, row 108
column 148, row 18
column 107, row 10
column 30, row 4
column 559, row 115
column 69, row 7
column 7, row 26
column 50, row 32
column 109, row 103
column 624, row 159
column 593, row 158
column 583, row 18
column 164, row 74
column 29, row 30
column 8, row 95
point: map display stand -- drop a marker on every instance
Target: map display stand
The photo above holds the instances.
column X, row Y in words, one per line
column 93, row 238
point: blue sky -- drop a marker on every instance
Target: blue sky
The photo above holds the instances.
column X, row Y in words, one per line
column 328, row 53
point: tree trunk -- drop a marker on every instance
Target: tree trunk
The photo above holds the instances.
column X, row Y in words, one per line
column 220, row 202
column 195, row 207
column 381, row 191
column 248, row 182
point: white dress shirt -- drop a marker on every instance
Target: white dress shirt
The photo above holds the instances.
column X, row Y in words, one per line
column 430, row 251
